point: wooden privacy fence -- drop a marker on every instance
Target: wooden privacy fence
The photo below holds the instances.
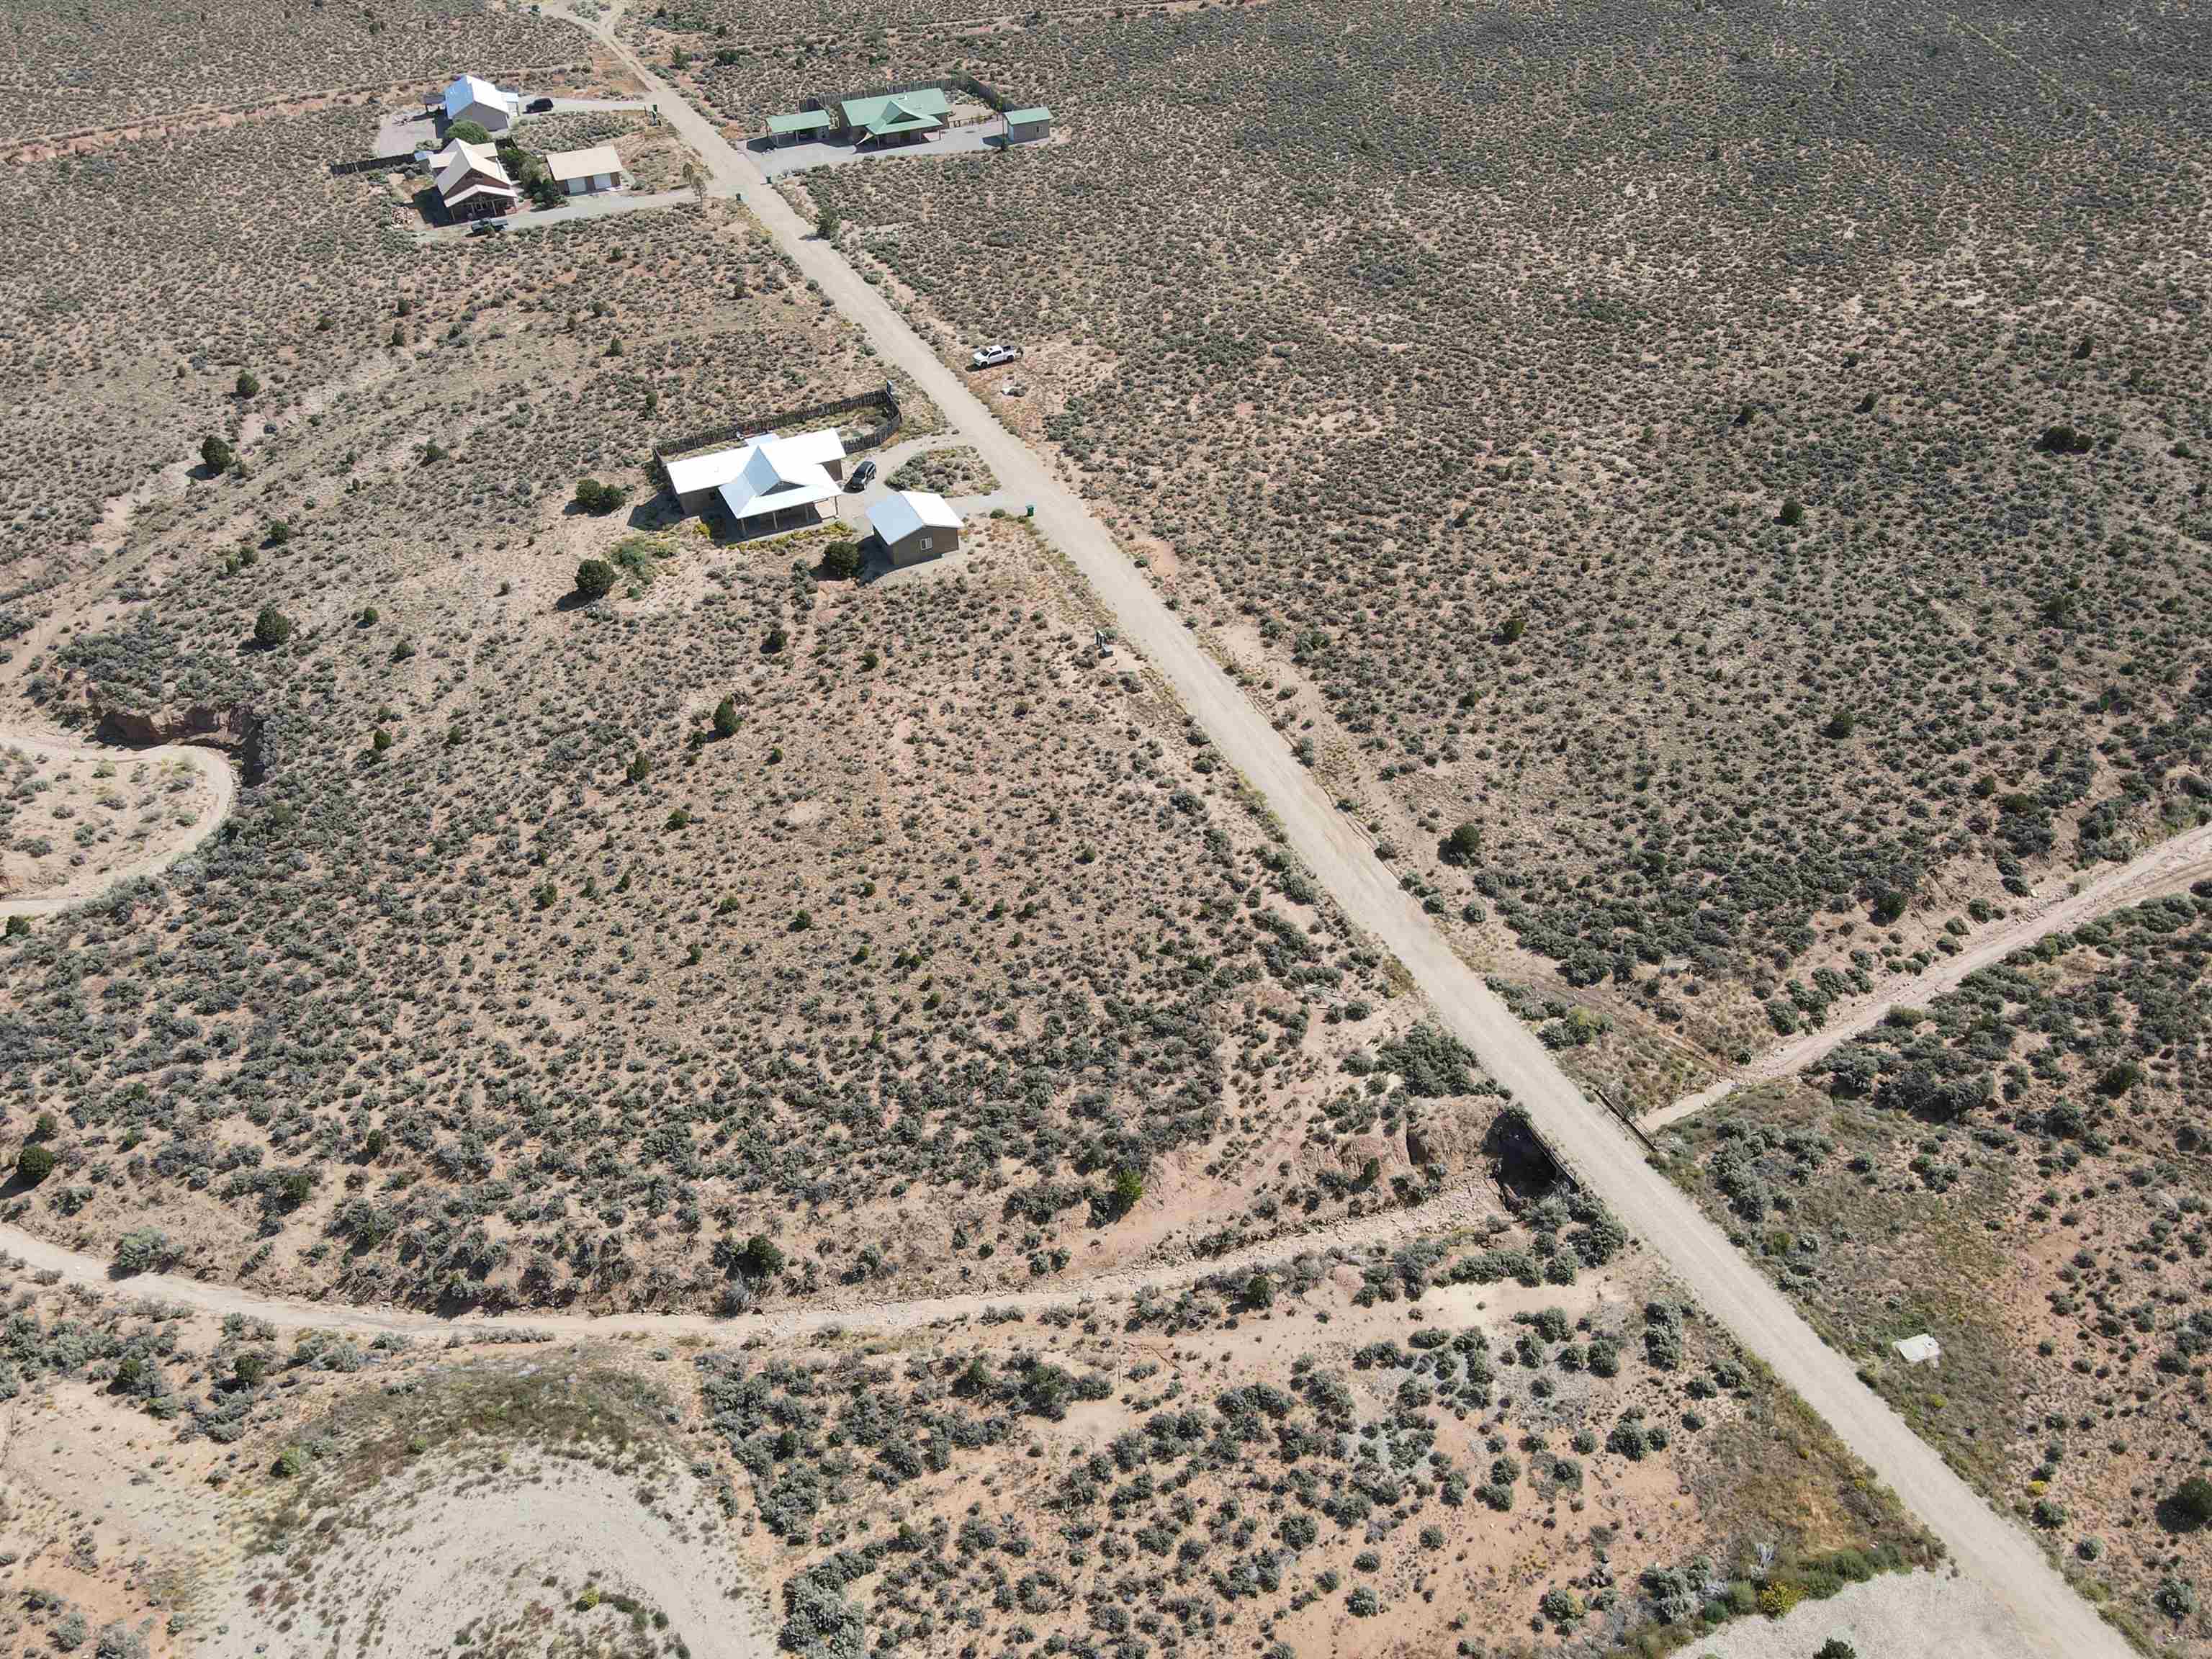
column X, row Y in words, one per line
column 374, row 164
column 885, row 398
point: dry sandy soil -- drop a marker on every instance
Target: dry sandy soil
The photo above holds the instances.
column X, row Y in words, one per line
column 76, row 822
column 2018, row 1169
column 1918, row 1615
column 561, row 989
column 747, row 938
column 1194, row 1465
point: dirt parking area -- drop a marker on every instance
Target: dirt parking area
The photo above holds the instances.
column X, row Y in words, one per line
column 1917, row 1615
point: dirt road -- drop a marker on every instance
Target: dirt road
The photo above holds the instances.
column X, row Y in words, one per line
column 2051, row 1618
column 1998, row 1553
column 2172, row 867
column 221, row 780
column 1462, row 1205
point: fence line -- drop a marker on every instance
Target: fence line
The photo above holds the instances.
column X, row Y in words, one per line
column 372, row 164
column 883, row 397
column 959, row 80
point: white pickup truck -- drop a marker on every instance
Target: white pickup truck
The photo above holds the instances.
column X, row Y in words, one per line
column 991, row 357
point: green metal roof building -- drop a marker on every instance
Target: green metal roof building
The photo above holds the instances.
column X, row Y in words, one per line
column 1023, row 125
column 897, row 118
column 805, row 123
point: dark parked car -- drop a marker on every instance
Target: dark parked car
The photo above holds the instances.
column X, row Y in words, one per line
column 486, row 228
column 862, row 475
column 538, row 107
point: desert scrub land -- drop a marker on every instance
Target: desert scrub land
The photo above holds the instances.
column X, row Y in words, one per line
column 66, row 823
column 1706, row 466
column 883, row 925
column 76, row 64
column 1431, row 1448
column 487, row 1489
column 2019, row 1171
column 566, row 949
column 959, row 470
column 1326, row 1457
column 157, row 280
column 532, row 1503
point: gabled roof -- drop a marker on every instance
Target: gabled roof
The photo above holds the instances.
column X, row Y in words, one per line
column 775, row 476
column 723, row 466
column 708, row 471
column 483, row 187
column 820, row 447
column 567, row 164
column 459, row 161
column 474, row 89
column 804, row 120
column 898, row 516
column 460, row 149
column 894, row 120
column 919, row 101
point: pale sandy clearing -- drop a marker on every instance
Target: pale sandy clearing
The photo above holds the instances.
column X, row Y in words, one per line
column 1917, row 1615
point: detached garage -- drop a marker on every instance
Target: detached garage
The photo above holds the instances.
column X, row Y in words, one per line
column 1025, row 126
column 585, row 172
column 914, row 525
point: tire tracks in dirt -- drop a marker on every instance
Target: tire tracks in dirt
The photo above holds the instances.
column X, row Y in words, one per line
column 2172, row 867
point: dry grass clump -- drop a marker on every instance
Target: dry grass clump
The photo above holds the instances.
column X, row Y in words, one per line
column 2019, row 1170
column 956, row 471
column 1616, row 438
column 76, row 64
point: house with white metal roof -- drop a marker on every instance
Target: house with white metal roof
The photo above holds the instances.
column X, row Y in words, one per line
column 914, row 524
column 585, row 172
column 472, row 97
column 765, row 482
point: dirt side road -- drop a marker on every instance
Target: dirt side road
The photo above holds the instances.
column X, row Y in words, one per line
column 2172, row 867
column 222, row 782
column 1462, row 1205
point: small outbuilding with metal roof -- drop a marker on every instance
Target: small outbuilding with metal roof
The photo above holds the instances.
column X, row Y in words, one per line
column 1025, row 126
column 912, row 525
column 799, row 127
